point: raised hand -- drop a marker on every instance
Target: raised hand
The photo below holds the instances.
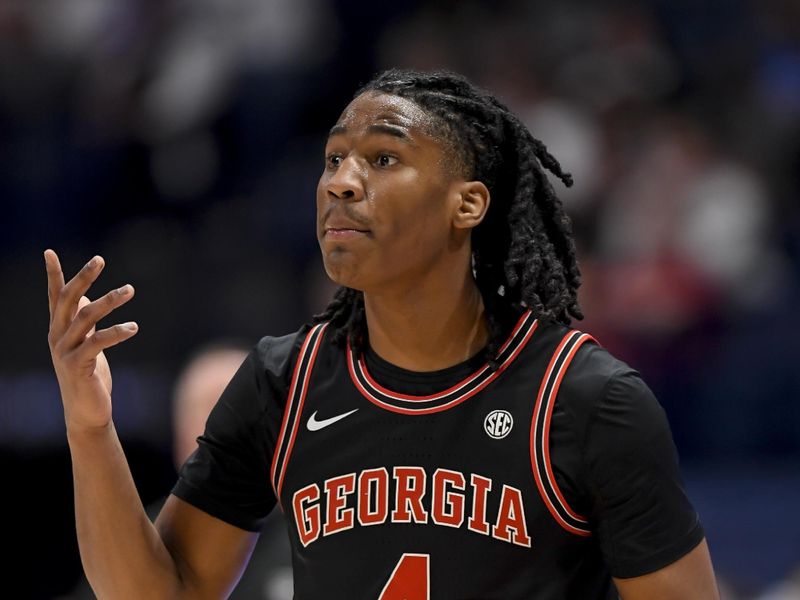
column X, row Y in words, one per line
column 77, row 347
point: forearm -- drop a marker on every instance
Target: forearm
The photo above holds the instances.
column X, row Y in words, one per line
column 121, row 551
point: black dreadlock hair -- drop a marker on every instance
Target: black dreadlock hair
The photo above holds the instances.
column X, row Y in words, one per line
column 523, row 252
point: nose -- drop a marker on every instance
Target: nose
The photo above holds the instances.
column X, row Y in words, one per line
column 346, row 183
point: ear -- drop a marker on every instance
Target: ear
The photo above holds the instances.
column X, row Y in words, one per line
column 472, row 202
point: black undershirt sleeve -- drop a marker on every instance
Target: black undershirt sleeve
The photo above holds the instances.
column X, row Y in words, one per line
column 228, row 476
column 614, row 457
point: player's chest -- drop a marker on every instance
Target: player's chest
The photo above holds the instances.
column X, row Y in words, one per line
column 355, row 463
column 340, row 426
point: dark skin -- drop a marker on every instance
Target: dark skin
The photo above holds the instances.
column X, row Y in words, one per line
column 386, row 175
column 394, row 220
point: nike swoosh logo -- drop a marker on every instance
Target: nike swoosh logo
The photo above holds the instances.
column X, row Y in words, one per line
column 314, row 425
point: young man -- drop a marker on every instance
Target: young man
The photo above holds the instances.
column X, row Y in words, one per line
column 439, row 431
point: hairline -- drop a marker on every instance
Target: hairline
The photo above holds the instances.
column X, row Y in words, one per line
column 456, row 160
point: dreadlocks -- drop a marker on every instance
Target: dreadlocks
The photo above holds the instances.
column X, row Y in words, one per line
column 523, row 252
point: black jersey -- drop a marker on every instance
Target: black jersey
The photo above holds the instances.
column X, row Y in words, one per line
column 393, row 493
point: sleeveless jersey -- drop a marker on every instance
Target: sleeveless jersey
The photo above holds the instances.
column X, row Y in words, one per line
column 450, row 495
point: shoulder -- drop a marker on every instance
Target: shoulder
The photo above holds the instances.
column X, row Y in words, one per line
column 581, row 364
column 598, row 385
column 275, row 357
column 594, row 368
column 276, row 354
column 266, row 372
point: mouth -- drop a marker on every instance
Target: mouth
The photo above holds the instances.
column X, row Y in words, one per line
column 344, row 233
column 338, row 225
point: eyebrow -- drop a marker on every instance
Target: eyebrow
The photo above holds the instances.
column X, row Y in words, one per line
column 378, row 128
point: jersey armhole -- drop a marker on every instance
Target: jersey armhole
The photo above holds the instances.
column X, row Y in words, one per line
column 294, row 406
column 542, row 469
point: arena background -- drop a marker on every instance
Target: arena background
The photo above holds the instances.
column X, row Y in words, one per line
column 182, row 140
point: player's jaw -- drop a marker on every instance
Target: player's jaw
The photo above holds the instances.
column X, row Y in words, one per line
column 342, row 236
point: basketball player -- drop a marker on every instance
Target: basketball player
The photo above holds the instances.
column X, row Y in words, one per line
column 439, row 431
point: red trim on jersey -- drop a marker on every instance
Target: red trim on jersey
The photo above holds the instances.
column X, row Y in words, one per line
column 351, row 364
column 467, row 380
column 581, row 339
column 362, row 367
column 287, row 410
column 534, row 427
column 301, row 401
column 554, row 394
column 303, row 392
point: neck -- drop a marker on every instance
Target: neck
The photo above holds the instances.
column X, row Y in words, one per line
column 428, row 327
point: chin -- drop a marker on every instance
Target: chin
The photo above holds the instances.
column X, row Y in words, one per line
column 343, row 271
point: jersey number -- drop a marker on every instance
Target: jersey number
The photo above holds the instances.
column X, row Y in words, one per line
column 410, row 579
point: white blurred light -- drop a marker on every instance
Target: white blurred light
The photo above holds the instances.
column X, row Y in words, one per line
column 571, row 136
column 724, row 224
column 189, row 85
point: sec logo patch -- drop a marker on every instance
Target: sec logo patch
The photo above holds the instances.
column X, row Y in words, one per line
column 498, row 424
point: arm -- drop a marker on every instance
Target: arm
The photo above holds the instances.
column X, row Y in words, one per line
column 646, row 527
column 123, row 553
column 689, row 578
column 211, row 553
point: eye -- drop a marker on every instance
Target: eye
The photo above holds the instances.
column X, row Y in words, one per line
column 333, row 160
column 386, row 160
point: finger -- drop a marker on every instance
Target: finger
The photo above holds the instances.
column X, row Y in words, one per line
column 90, row 313
column 67, row 300
column 84, row 301
column 105, row 338
column 55, row 279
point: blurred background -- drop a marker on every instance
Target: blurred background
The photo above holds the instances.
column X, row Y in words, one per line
column 182, row 140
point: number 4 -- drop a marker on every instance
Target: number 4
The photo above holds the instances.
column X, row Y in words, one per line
column 410, row 579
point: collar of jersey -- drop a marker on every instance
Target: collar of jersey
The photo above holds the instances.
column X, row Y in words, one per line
column 466, row 388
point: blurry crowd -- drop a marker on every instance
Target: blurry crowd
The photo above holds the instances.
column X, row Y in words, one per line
column 182, row 140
